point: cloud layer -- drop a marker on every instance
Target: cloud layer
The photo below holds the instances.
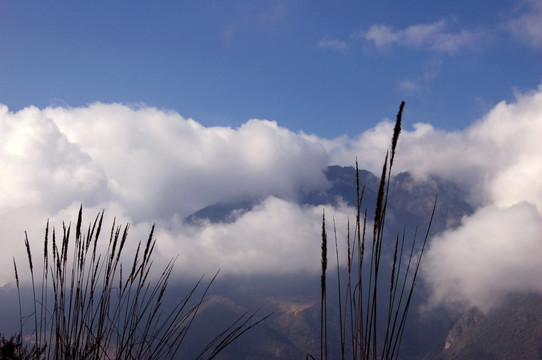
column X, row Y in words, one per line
column 497, row 161
column 495, row 251
column 498, row 248
column 145, row 165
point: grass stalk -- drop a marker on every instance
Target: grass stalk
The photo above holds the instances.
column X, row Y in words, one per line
column 89, row 309
column 323, row 304
column 375, row 331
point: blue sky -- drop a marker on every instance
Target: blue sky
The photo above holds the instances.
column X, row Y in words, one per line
column 323, row 67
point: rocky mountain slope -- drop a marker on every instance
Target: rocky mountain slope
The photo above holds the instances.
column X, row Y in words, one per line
column 511, row 331
column 293, row 330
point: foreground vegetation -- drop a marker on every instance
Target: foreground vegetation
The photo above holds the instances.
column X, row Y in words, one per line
column 87, row 305
column 368, row 331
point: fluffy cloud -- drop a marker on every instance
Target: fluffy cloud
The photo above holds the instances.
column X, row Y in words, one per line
column 145, row 165
column 498, row 163
column 498, row 248
column 158, row 164
column 433, row 36
column 494, row 252
column 277, row 236
column 142, row 165
column 497, row 159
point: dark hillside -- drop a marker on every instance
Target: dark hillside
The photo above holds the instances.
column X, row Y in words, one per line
column 411, row 201
column 511, row 331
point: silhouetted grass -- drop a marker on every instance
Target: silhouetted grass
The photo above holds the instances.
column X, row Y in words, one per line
column 89, row 306
column 14, row 349
column 363, row 335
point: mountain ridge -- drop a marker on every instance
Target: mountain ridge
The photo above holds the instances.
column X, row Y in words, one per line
column 409, row 196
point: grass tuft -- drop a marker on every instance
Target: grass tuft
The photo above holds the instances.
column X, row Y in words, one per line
column 89, row 309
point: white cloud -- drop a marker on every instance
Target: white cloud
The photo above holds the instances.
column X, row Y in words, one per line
column 144, row 165
column 434, row 37
column 527, row 25
column 382, row 36
column 332, row 44
column 498, row 248
column 494, row 252
column 497, row 161
column 483, row 157
column 277, row 236
column 158, row 163
column 523, row 22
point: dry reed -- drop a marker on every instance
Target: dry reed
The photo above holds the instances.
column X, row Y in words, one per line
column 363, row 334
column 89, row 307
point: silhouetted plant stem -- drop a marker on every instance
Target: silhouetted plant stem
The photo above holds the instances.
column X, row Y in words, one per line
column 342, row 334
column 100, row 313
column 360, row 309
column 323, row 304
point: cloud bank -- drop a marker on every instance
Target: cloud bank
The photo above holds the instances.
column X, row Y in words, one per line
column 498, row 249
column 146, row 165
column 497, row 161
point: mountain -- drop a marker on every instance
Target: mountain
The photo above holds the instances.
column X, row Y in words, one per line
column 294, row 329
column 511, row 331
column 411, row 200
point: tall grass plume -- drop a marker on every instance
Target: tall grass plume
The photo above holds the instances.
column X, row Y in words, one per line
column 90, row 305
column 371, row 327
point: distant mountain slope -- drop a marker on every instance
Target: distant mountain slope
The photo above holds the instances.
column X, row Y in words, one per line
column 411, row 201
column 291, row 334
column 511, row 331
